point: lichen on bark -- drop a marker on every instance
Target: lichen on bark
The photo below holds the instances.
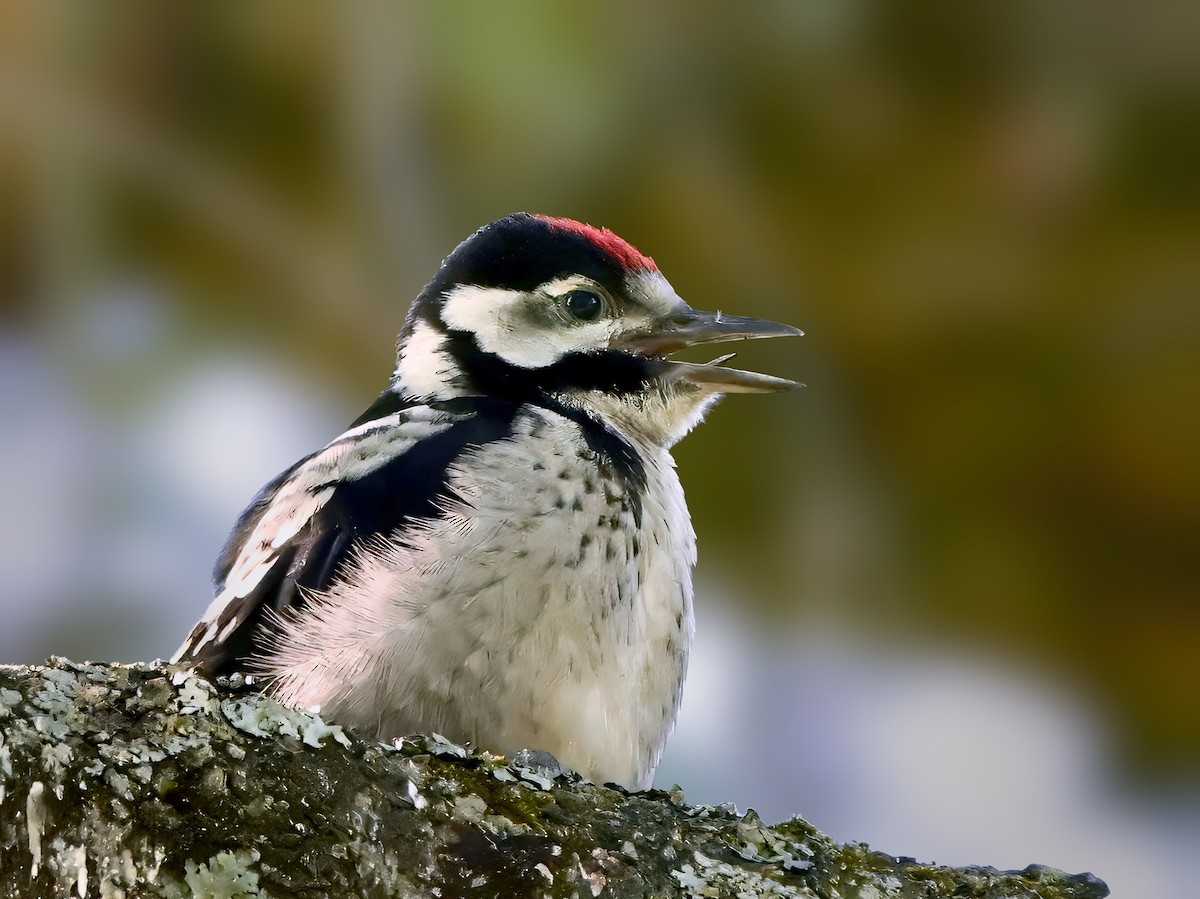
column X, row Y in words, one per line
column 142, row 780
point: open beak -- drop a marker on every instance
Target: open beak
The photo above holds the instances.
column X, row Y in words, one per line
column 690, row 328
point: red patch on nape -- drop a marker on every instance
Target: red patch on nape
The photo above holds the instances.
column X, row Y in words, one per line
column 621, row 250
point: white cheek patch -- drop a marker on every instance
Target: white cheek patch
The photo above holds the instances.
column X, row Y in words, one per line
column 494, row 317
column 488, row 313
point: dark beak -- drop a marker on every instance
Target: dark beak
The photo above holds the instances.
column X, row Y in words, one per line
column 690, row 328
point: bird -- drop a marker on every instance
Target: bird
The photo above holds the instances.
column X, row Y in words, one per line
column 498, row 550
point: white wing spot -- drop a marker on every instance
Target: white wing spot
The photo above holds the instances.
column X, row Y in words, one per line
column 227, row 631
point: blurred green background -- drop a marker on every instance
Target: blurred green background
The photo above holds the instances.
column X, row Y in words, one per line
column 213, row 216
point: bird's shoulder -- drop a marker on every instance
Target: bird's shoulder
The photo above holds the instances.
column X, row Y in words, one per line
column 389, row 469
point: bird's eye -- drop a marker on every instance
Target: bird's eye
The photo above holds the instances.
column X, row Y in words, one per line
column 584, row 305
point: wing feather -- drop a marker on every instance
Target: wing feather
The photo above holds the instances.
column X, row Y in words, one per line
column 299, row 532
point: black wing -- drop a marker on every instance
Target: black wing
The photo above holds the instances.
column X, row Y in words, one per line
column 255, row 579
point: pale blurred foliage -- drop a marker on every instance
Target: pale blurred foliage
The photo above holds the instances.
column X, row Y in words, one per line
column 212, row 218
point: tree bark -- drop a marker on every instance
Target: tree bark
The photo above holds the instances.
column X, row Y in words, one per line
column 141, row 780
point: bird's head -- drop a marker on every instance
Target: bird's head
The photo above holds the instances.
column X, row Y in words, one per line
column 531, row 305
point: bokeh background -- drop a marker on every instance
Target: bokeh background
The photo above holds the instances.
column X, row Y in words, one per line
column 947, row 594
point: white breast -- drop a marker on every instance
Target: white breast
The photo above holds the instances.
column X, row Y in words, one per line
column 535, row 614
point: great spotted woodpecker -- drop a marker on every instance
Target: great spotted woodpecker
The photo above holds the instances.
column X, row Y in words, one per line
column 498, row 550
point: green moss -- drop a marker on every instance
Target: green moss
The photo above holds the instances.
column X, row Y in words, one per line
column 137, row 775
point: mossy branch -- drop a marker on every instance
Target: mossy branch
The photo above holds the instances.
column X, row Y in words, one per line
column 139, row 781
